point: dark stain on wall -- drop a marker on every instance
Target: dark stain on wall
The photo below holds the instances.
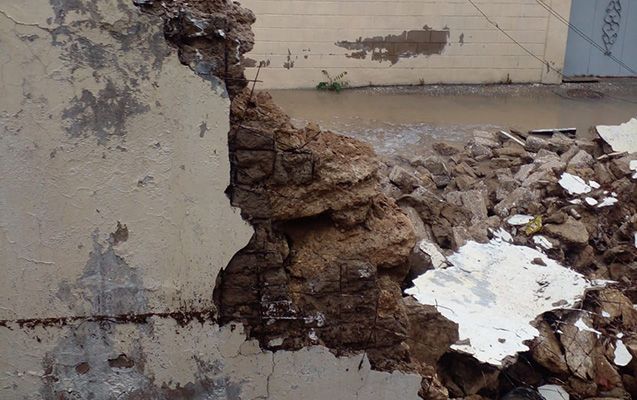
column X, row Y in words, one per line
column 289, row 62
column 102, row 114
column 394, row 47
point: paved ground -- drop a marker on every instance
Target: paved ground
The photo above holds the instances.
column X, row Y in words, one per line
column 406, row 120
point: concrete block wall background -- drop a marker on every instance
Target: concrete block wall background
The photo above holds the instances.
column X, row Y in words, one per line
column 297, row 39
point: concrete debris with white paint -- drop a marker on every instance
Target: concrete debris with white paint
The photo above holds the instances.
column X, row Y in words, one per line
column 622, row 355
column 607, row 202
column 573, row 184
column 519, row 219
column 620, row 137
column 543, row 242
column 501, row 235
column 438, row 260
column 553, row 392
column 633, row 167
column 581, row 325
column 494, row 291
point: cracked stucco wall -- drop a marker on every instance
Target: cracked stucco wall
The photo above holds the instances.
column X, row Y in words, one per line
column 114, row 223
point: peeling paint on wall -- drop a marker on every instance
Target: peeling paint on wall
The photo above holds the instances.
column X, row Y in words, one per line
column 394, row 47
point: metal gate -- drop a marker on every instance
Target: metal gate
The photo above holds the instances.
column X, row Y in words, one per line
column 602, row 40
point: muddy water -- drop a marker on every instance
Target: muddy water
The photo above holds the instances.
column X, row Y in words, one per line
column 407, row 121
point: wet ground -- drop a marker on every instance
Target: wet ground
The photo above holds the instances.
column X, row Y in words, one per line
column 407, row 120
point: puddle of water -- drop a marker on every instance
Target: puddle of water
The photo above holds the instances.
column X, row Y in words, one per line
column 407, row 122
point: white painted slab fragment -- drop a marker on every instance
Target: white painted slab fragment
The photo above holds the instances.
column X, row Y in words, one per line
column 543, row 242
column 553, row 392
column 633, row 167
column 591, row 201
column 493, row 291
column 607, row 202
column 581, row 325
column 594, row 184
column 573, row 184
column 621, row 137
column 437, row 258
column 501, row 235
column 519, row 219
column 622, row 355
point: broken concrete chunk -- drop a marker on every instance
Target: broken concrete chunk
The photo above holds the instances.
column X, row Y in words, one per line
column 570, row 153
column 445, row 149
column 560, row 142
column 535, row 144
column 438, row 259
column 620, row 137
column 486, row 138
column 403, row 179
column 547, row 351
column 519, row 219
column 573, row 184
column 553, row 392
column 434, row 164
column 430, row 333
column 578, row 347
column 632, row 165
column 581, row 159
column 519, row 199
column 543, row 242
column 480, row 151
column 607, row 202
column 622, row 355
column 572, row 232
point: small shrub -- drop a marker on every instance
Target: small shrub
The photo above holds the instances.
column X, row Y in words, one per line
column 334, row 84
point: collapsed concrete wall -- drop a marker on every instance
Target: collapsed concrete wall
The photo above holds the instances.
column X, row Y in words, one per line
column 114, row 222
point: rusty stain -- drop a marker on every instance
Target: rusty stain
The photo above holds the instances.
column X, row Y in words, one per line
column 182, row 317
column 394, row 47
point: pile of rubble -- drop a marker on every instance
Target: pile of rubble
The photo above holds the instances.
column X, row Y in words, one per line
column 556, row 201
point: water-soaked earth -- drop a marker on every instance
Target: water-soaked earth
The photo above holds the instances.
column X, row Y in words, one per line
column 405, row 121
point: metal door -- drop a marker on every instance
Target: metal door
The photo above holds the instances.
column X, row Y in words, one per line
column 612, row 25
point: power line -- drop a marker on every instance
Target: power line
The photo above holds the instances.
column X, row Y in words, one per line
column 543, row 61
column 585, row 36
column 562, row 19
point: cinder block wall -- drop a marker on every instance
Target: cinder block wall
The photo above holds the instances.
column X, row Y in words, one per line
column 388, row 42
